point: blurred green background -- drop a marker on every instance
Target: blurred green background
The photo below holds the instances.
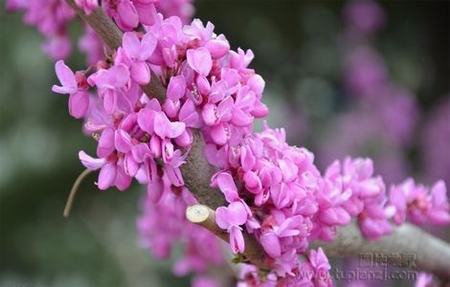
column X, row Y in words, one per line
column 296, row 44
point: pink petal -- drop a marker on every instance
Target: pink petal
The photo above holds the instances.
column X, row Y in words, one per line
column 176, row 88
column 130, row 166
column 118, row 75
column 122, row 141
column 199, row 60
column 439, row 194
column 189, row 115
column 78, row 104
column 131, row 44
column 203, row 85
column 236, row 240
column 128, row 16
column 209, row 114
column 288, row 169
column 66, row 77
column 252, row 182
column 171, row 108
column 107, row 176
column 106, row 143
column 260, row 110
column 155, row 146
column 222, row 217
column 237, row 213
column 147, row 12
column 140, row 151
column 148, row 46
column 122, row 180
column 164, row 128
column 155, row 189
column 184, row 140
column 257, row 84
column 109, row 101
column 217, row 47
column 174, row 175
column 271, row 244
column 248, row 160
column 219, row 134
column 226, row 184
column 140, row 72
column 167, row 151
column 241, row 118
column 90, row 162
column 439, row 217
column 146, row 118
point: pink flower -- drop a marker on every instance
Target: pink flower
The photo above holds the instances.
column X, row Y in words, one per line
column 78, row 98
column 111, row 84
column 111, row 174
column 164, row 128
column 230, row 218
column 420, row 204
column 138, row 51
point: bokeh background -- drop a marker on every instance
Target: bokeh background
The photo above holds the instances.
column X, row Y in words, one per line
column 379, row 90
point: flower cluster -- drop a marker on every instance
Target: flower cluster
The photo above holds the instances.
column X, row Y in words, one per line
column 274, row 191
column 312, row 271
column 52, row 19
column 362, row 195
column 420, row 204
column 129, row 14
column 201, row 248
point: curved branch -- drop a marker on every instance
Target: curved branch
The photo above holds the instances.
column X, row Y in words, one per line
column 196, row 171
column 101, row 24
column 432, row 254
column 428, row 252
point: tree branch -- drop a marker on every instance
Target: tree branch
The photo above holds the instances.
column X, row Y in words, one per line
column 197, row 172
column 101, row 24
column 432, row 254
column 429, row 253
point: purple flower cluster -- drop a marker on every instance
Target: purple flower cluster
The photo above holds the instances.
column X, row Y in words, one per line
column 356, row 193
column 52, row 18
column 274, row 191
column 420, row 204
column 163, row 224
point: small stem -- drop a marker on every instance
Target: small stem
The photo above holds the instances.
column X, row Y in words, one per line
column 73, row 192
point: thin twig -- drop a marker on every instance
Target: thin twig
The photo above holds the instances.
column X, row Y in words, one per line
column 73, row 191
